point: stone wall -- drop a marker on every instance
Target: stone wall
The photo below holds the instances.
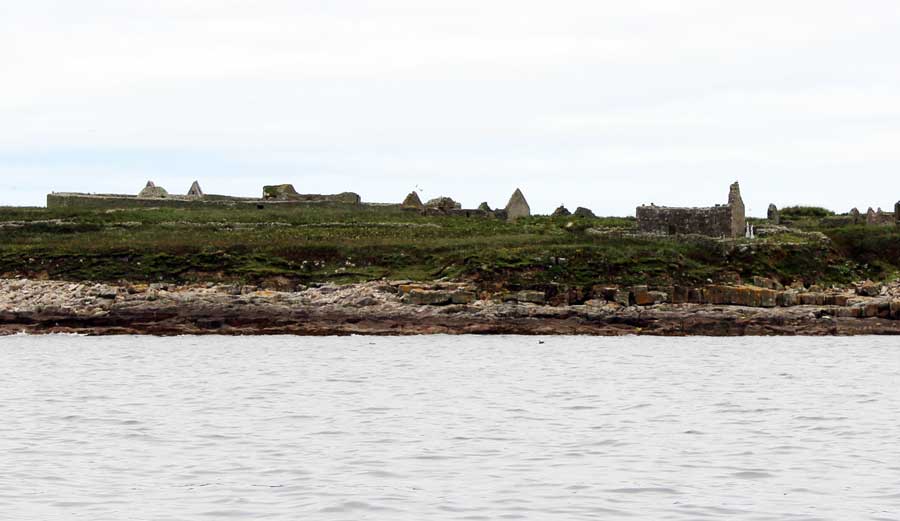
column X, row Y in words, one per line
column 718, row 221
column 92, row 201
column 715, row 221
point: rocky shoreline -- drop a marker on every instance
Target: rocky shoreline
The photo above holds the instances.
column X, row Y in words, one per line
column 405, row 308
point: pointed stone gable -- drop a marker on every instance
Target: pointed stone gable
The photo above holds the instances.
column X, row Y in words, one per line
column 153, row 191
column 855, row 215
column 412, row 201
column 195, row 190
column 517, row 206
column 870, row 216
column 484, row 207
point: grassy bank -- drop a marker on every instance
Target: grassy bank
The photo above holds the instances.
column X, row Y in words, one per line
column 340, row 244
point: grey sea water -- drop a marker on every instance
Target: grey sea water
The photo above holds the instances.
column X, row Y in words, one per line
column 437, row 427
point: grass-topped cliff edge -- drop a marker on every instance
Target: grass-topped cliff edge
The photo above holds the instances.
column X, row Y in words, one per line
column 336, row 244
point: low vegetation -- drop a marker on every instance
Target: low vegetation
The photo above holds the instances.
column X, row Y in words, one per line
column 338, row 244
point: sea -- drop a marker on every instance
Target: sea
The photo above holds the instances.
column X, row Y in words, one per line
column 449, row 428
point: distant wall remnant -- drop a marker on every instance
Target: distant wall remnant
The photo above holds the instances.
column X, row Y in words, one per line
column 897, row 213
column 443, row 203
column 856, row 216
column 773, row 215
column 412, row 201
column 561, row 211
column 879, row 218
column 151, row 191
column 517, row 206
column 726, row 220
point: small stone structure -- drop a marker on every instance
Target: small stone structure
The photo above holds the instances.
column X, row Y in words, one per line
column 856, row 216
column 484, row 207
column 581, row 211
column 412, row 202
column 151, row 191
column 773, row 214
column 728, row 220
column 880, row 218
column 562, row 211
column 517, row 206
column 195, row 190
column 443, row 203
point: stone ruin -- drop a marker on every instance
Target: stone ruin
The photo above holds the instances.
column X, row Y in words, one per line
column 443, row 203
column 484, row 207
column 581, row 211
column 412, row 202
column 880, row 218
column 728, row 220
column 517, row 206
column 287, row 193
column 773, row 215
column 151, row 191
column 562, row 211
column 195, row 190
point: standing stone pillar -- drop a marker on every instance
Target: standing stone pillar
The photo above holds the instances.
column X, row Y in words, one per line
column 774, row 215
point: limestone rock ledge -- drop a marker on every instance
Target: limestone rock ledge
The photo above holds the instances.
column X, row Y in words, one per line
column 403, row 308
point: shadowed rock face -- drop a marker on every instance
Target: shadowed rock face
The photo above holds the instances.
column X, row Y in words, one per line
column 584, row 212
column 153, row 191
column 562, row 211
column 517, row 206
column 195, row 190
column 412, row 201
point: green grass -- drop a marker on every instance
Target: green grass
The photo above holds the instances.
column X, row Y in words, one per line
column 337, row 243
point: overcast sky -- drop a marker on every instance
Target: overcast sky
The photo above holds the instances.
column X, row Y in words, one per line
column 597, row 103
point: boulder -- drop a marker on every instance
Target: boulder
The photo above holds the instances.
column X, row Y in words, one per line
column 562, row 211
column 869, row 289
column 517, row 206
column 528, row 296
column 748, row 296
column 641, row 296
column 151, row 191
column 422, row 297
column 463, row 297
column 767, row 283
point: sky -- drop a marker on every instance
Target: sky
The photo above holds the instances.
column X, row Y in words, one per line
column 596, row 103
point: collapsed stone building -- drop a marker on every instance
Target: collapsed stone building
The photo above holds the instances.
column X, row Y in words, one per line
column 724, row 220
column 283, row 195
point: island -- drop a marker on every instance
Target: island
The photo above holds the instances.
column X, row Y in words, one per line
column 312, row 264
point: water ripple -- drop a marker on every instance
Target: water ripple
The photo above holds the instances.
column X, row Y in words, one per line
column 474, row 428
